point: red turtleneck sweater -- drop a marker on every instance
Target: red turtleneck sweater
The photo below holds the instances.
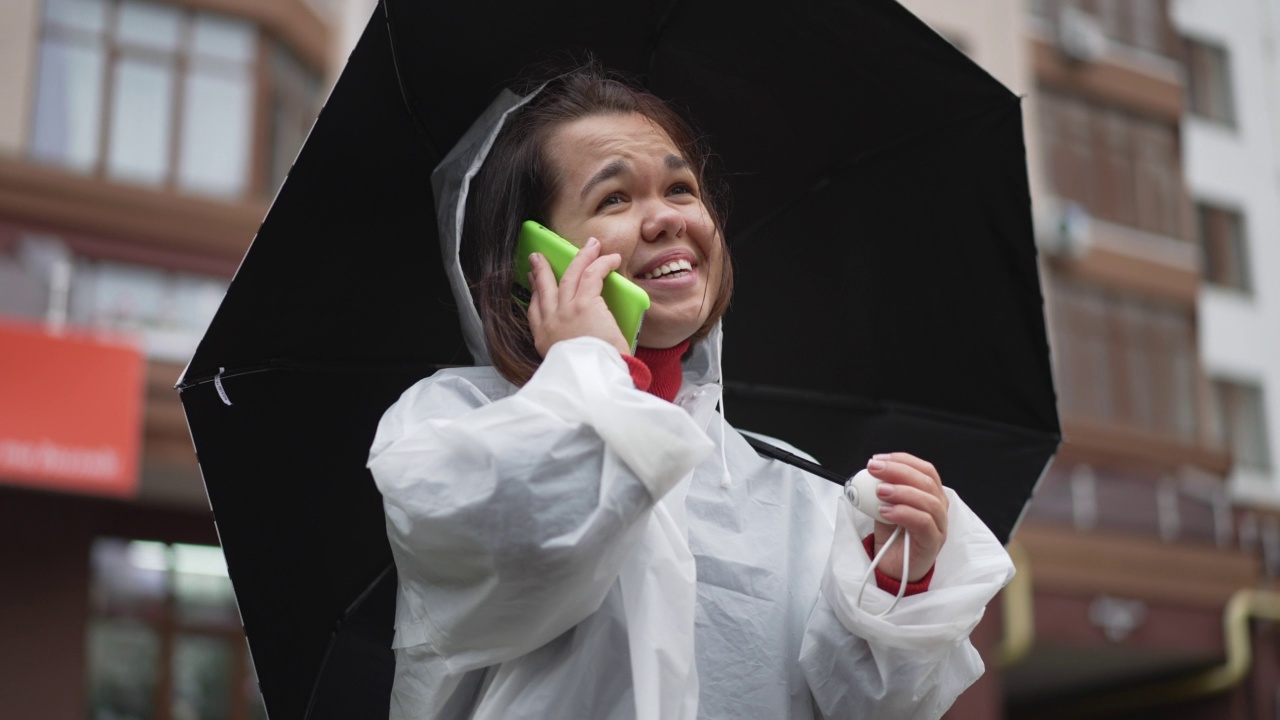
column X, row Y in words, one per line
column 658, row 372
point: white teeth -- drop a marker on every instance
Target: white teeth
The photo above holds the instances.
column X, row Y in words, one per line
column 667, row 269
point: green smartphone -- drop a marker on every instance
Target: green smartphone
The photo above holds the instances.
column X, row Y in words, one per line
column 625, row 299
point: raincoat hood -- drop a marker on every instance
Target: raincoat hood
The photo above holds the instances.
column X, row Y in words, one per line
column 451, row 183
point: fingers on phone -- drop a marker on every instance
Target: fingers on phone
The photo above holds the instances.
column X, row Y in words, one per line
column 572, row 276
column 591, row 283
column 542, row 281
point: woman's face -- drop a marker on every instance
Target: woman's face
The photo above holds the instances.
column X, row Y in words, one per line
column 623, row 182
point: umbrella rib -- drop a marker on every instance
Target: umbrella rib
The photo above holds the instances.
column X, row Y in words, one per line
column 337, row 628
column 418, row 124
column 658, row 29
column 826, row 179
column 317, row 366
column 828, row 399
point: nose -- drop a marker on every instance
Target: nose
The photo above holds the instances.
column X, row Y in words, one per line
column 660, row 221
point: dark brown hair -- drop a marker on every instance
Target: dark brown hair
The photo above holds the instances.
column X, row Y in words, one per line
column 516, row 183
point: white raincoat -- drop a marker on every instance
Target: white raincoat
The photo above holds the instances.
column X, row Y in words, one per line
column 577, row 548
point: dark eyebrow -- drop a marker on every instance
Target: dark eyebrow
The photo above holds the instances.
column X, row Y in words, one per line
column 610, row 171
column 619, row 167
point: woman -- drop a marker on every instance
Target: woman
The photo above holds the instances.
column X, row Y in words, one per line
column 572, row 546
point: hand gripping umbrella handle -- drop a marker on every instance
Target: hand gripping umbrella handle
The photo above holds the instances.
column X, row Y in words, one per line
column 863, row 487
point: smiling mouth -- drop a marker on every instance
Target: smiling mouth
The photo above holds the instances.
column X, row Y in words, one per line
column 673, row 268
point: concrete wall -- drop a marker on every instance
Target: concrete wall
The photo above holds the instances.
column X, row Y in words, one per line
column 44, row 606
column 1240, row 167
column 350, row 19
column 19, row 46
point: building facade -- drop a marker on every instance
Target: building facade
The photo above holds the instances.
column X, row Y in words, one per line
column 1232, row 140
column 1145, row 557
column 140, row 146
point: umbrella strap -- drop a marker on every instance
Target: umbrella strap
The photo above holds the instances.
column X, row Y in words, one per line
column 871, row 569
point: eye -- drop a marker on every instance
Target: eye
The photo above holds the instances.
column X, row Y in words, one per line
column 610, row 199
column 682, row 188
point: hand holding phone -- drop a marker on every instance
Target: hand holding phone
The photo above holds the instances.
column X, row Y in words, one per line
column 625, row 300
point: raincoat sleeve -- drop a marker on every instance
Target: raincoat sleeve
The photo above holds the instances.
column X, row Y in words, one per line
column 915, row 661
column 509, row 520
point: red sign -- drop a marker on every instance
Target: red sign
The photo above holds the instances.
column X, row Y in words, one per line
column 70, row 411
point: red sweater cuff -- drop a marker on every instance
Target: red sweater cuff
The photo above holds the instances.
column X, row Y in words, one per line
column 640, row 374
column 888, row 584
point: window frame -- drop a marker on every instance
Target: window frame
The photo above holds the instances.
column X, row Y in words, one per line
column 258, row 180
column 1228, row 394
column 1214, row 102
column 1121, row 166
column 1236, row 273
column 1121, row 359
column 168, row 628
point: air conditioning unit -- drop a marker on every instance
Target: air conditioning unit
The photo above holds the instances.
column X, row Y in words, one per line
column 1062, row 227
column 1080, row 37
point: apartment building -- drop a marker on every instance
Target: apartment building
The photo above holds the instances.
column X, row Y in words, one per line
column 1152, row 160
column 141, row 143
column 1138, row 550
column 1231, row 137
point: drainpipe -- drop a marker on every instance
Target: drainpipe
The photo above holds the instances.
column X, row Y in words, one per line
column 1019, row 610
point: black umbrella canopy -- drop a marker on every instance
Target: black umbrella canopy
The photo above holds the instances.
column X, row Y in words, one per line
column 880, row 228
column 880, row 224
column 919, row 313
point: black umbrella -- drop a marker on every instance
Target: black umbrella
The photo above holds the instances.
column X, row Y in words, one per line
column 888, row 295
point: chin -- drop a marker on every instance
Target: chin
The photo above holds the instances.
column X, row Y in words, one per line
column 656, row 343
column 659, row 341
column 666, row 336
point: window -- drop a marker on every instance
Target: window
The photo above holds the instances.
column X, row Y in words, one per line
column 1122, row 168
column 1239, row 423
column 1124, row 359
column 168, row 311
column 1081, row 350
column 1209, row 82
column 164, row 635
column 157, row 95
column 1222, row 246
column 293, row 108
column 1140, row 24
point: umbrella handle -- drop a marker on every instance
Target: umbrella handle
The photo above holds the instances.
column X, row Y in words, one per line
column 861, row 492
